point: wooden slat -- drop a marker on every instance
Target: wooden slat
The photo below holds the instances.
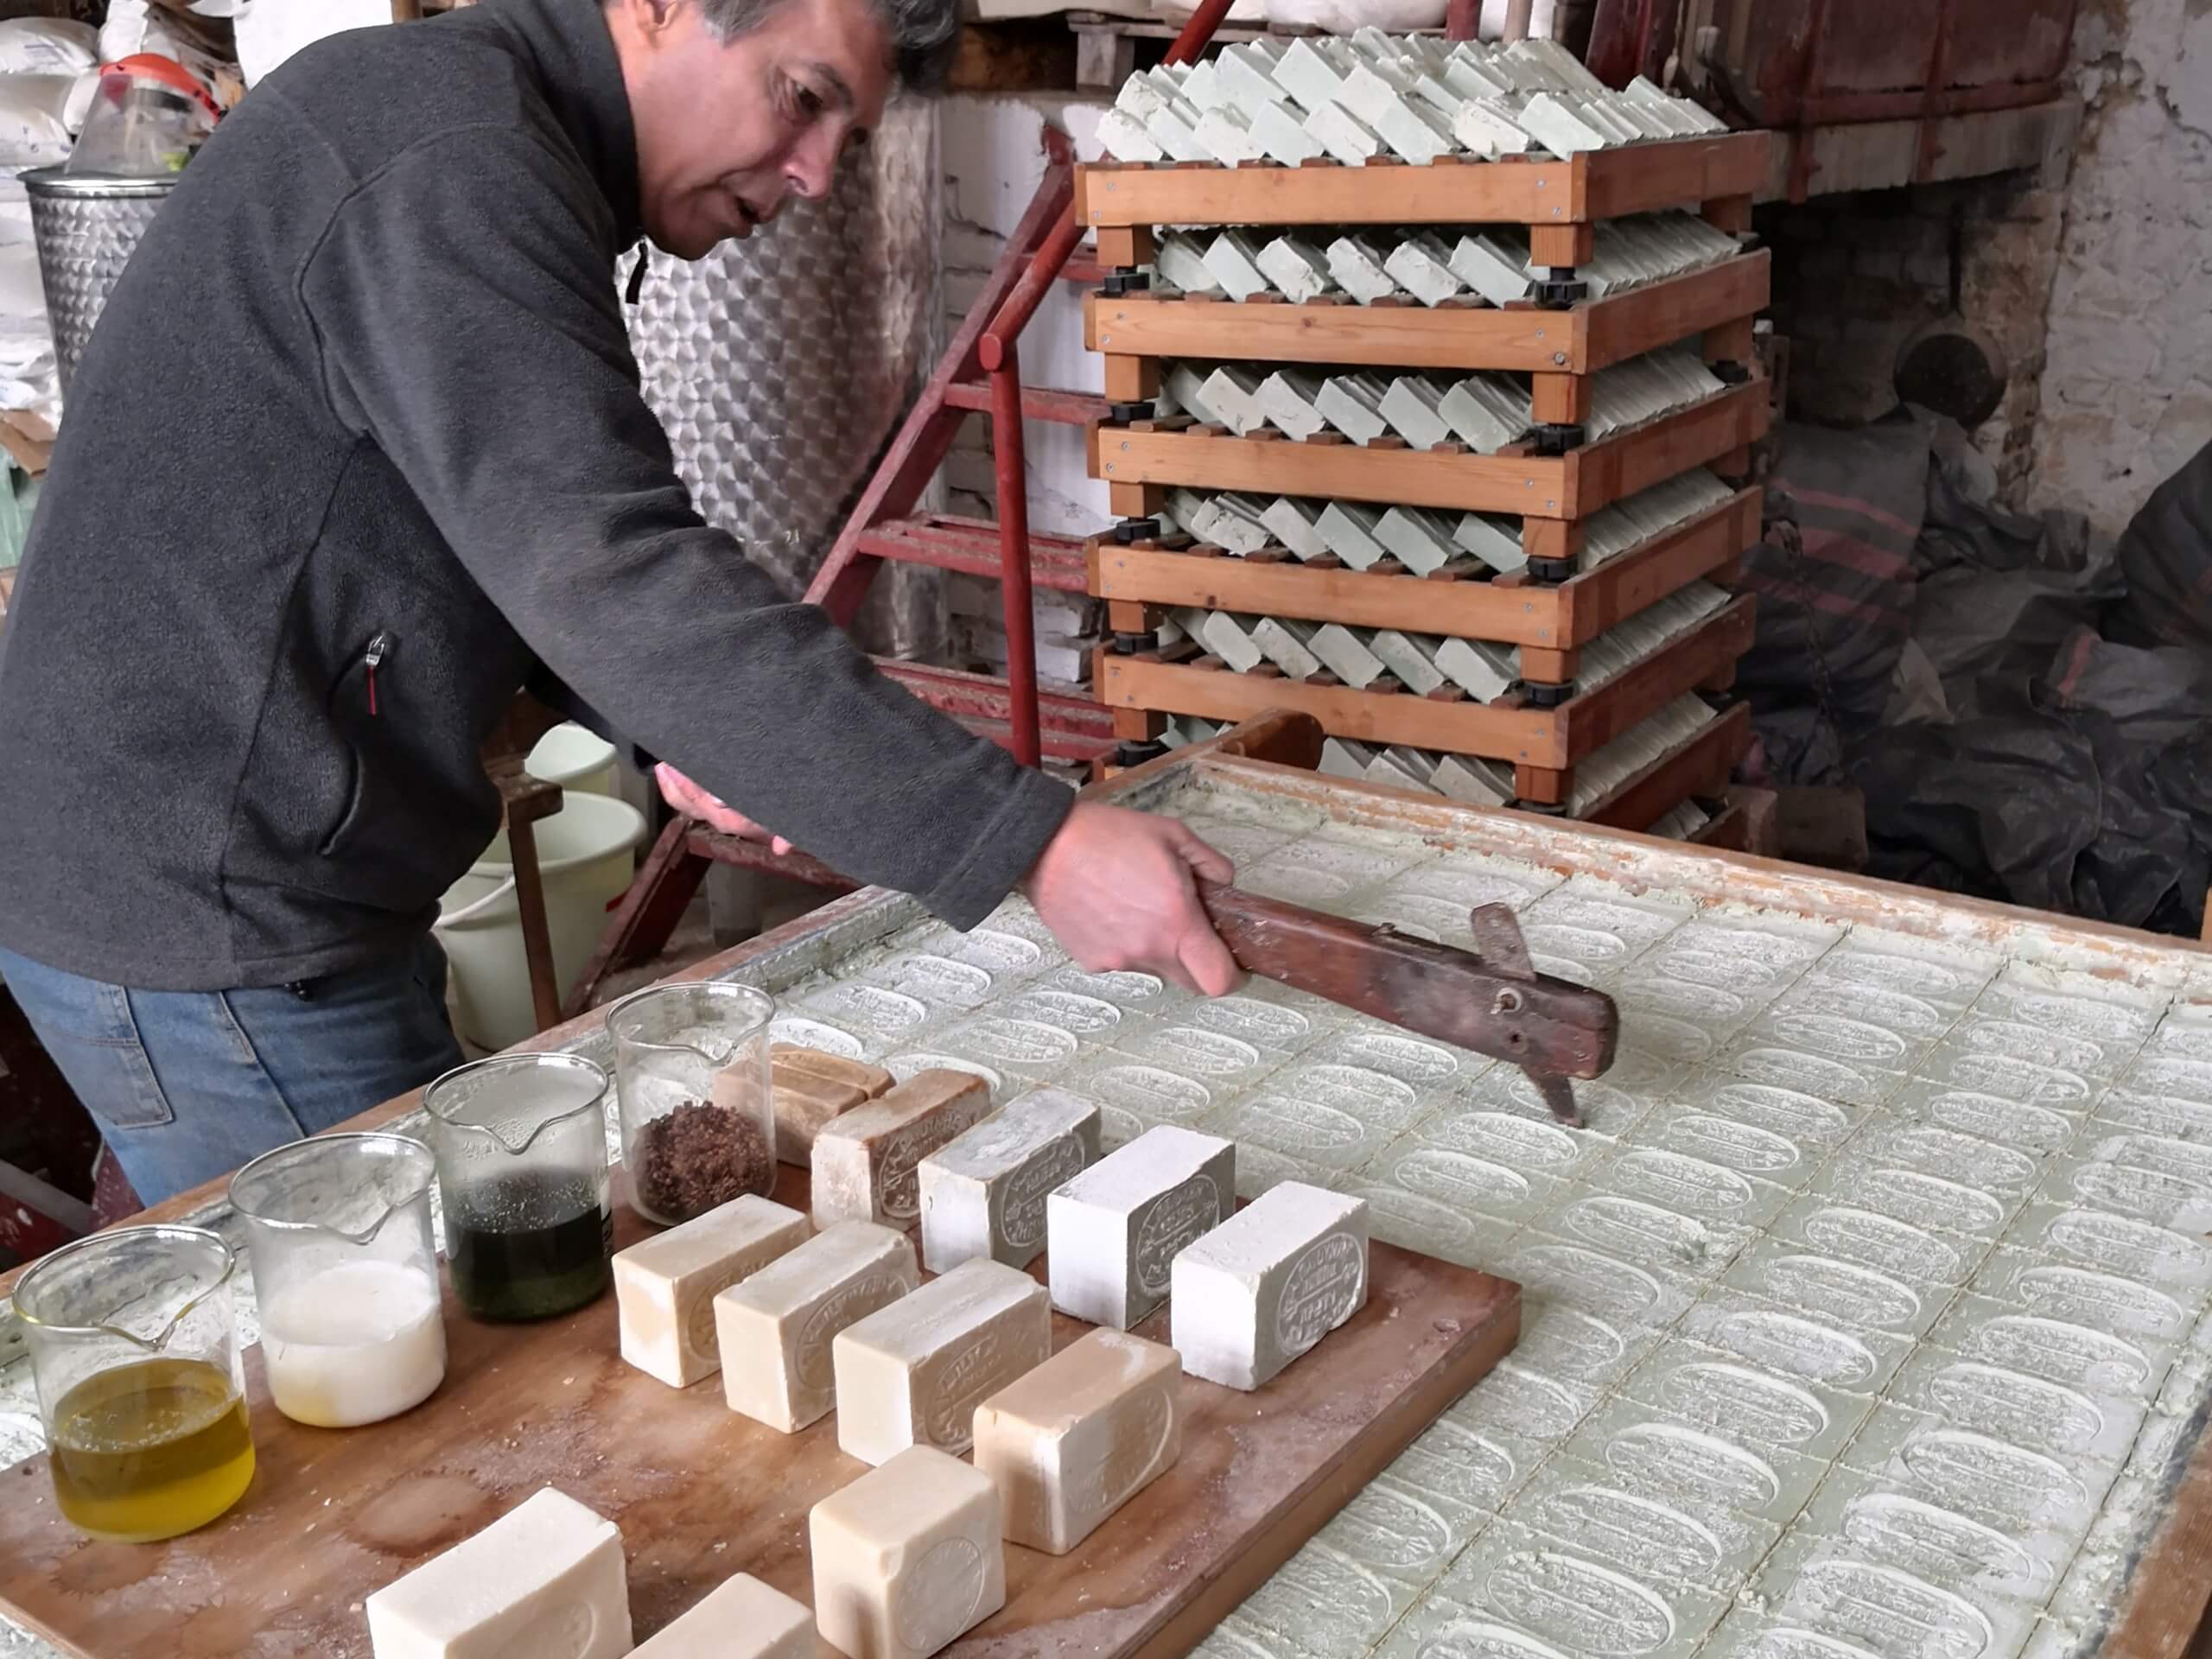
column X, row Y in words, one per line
column 1604, row 184
column 1572, row 486
column 1587, row 337
column 1698, row 769
column 1691, row 659
column 1557, row 618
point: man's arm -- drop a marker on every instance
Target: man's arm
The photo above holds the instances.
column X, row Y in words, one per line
column 469, row 330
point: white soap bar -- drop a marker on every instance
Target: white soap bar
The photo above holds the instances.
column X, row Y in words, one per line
column 1236, row 529
column 1175, row 130
column 1473, row 419
column 775, row 1328
column 983, row 1194
column 1358, row 270
column 1343, row 135
column 907, row 1558
column 1287, row 399
column 1308, row 77
column 665, row 1285
column 1373, row 89
column 1225, row 637
column 913, row 1373
column 1353, row 405
column 1349, row 528
column 1232, row 393
column 1346, row 656
column 1181, row 263
column 1415, row 131
column 1421, row 543
column 864, row 1161
column 1285, row 646
column 1186, row 386
column 739, row 1618
column 1123, row 136
column 1080, row 1436
column 1415, row 669
column 1494, row 545
column 1114, row 1230
column 1282, row 134
column 1270, row 1283
column 1346, row 757
column 1475, row 667
column 1230, row 258
column 1417, row 271
column 1227, row 135
column 1410, row 406
column 547, row 1575
column 1560, row 129
column 1294, row 524
column 1487, row 127
column 1400, row 768
column 1296, row 267
column 1486, row 266
column 1246, row 78
column 1465, row 779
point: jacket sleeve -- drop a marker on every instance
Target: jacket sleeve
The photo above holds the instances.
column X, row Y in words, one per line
column 470, row 328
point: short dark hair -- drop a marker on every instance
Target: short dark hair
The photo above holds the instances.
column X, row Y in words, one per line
column 923, row 33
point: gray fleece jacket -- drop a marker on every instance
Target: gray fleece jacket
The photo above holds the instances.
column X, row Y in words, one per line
column 357, row 449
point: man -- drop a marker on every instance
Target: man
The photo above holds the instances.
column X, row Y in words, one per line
column 357, row 450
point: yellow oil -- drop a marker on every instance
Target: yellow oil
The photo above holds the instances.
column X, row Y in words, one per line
column 150, row 1449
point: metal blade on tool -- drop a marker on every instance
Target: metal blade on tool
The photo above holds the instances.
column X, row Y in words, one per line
column 1491, row 1000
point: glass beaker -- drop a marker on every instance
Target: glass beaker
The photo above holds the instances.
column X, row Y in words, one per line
column 134, row 1343
column 345, row 1270
column 692, row 1072
column 521, row 1143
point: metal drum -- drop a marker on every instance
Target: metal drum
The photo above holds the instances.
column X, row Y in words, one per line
column 781, row 365
column 87, row 229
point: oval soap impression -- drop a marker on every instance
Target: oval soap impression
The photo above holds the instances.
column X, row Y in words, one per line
column 941, row 1595
column 1323, row 1288
column 1175, row 1218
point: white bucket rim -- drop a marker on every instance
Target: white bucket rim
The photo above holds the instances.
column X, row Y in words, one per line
column 567, row 753
column 502, row 872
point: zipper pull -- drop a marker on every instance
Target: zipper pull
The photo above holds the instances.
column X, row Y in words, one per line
column 373, row 656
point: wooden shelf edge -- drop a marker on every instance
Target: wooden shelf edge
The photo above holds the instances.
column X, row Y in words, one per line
column 1698, row 768
column 1682, row 665
column 1604, row 184
column 1572, row 486
column 1578, row 341
column 1557, row 618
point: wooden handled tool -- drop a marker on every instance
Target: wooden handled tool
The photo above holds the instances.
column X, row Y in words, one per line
column 1491, row 1000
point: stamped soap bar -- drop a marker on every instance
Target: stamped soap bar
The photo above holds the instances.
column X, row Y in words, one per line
column 914, row 1374
column 865, row 1161
column 809, row 1088
column 983, row 1194
column 1269, row 1283
column 1080, row 1436
column 665, row 1285
column 1114, row 1230
column 739, row 1618
column 546, row 1577
column 907, row 1558
column 776, row 1326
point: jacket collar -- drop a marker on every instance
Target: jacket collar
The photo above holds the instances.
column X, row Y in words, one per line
column 568, row 43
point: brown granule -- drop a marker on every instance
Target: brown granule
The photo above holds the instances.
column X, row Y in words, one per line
column 699, row 1156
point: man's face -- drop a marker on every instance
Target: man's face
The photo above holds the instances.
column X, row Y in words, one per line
column 726, row 133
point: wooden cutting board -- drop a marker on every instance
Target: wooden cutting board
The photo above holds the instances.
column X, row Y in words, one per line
column 700, row 1493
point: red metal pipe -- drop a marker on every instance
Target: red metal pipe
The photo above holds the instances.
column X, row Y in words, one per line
column 1013, row 554
column 996, row 346
column 1463, row 19
column 1198, row 34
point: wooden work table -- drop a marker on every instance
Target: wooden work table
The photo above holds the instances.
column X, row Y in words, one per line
column 1662, row 1270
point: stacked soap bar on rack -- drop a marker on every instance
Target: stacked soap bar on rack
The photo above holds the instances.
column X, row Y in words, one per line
column 1387, row 658
column 1418, row 539
column 1377, row 97
column 1436, row 266
column 1486, row 412
column 1477, row 782
column 1068, row 628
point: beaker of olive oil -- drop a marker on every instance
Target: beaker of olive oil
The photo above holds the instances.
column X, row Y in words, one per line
column 140, row 1383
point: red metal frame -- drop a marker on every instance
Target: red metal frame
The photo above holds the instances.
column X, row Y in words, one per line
column 1038, row 254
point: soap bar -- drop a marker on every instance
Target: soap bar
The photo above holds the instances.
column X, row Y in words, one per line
column 740, row 1619
column 803, row 1104
column 907, row 1558
column 546, row 1577
column 1080, row 1436
column 1269, row 1283
column 983, row 1193
column 665, row 1285
column 1113, row 1231
column 913, row 1373
column 864, row 1161
column 776, row 1326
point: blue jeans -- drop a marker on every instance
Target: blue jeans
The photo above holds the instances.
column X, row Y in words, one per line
column 187, row 1085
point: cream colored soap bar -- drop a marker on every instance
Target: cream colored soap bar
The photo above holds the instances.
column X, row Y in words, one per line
column 914, row 1374
column 776, row 1327
column 740, row 1619
column 1114, row 1229
column 906, row 1558
column 666, row 1285
column 1269, row 1283
column 547, row 1577
column 1080, row 1436
column 865, row 1161
column 809, row 1089
column 983, row 1194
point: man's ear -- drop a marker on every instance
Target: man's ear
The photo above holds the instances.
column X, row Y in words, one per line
column 649, row 19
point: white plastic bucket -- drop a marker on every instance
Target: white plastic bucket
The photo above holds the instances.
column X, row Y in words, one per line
column 584, row 853
column 580, row 760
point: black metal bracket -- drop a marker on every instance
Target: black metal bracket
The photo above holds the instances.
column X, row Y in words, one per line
column 1540, row 809
column 1134, row 645
column 1123, row 414
column 1136, row 530
column 1540, row 695
column 1119, row 282
column 1561, row 289
column 1135, row 755
column 1551, row 572
column 1553, row 438
column 1730, row 372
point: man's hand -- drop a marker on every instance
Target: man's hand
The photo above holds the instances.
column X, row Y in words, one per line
column 692, row 801
column 1117, row 889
